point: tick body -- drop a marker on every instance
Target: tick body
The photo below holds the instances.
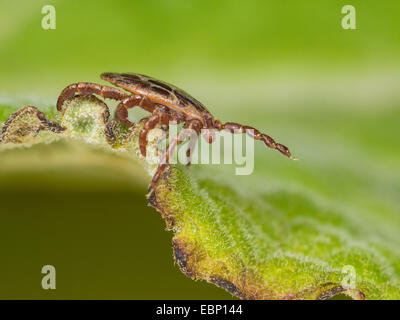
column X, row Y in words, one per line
column 167, row 104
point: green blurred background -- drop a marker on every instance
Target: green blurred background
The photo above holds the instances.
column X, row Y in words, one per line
column 287, row 67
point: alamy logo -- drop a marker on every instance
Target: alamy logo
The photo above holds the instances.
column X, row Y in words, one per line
column 350, row 277
column 49, row 20
column 49, row 280
column 226, row 148
column 349, row 20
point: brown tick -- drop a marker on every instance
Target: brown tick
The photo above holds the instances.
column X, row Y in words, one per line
column 166, row 103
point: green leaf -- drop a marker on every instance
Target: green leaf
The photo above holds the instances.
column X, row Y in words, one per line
column 269, row 242
column 311, row 229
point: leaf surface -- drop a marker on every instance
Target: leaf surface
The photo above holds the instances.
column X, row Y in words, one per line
column 311, row 229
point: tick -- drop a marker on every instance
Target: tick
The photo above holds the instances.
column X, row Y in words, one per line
column 167, row 104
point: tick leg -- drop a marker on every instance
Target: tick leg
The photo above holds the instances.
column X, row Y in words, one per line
column 129, row 102
column 192, row 145
column 151, row 123
column 193, row 139
column 196, row 126
column 178, row 139
column 89, row 88
column 255, row 134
